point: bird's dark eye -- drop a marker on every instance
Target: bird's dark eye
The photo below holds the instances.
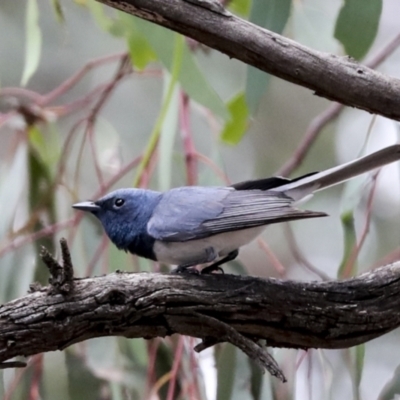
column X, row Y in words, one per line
column 119, row 202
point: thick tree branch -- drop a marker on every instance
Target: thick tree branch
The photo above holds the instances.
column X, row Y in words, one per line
column 336, row 78
column 238, row 309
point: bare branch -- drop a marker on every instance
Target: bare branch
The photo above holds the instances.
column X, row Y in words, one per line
column 336, row 78
column 239, row 309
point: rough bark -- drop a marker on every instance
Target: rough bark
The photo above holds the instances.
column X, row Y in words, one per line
column 215, row 308
column 336, row 78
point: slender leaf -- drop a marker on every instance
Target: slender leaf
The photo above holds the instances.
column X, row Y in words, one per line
column 55, row 376
column 12, row 176
column 350, row 240
column 359, row 361
column 33, row 44
column 237, row 126
column 226, row 367
column 104, row 21
column 191, row 77
column 167, row 138
column 140, row 51
column 2, row 384
column 58, row 10
column 241, row 7
column 242, row 381
column 357, row 26
column 82, row 383
column 272, row 15
column 256, row 380
column 176, row 67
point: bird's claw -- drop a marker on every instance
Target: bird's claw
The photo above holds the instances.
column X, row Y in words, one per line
column 180, row 269
column 210, row 269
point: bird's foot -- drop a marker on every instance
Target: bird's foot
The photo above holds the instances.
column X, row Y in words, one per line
column 216, row 266
column 183, row 269
column 211, row 268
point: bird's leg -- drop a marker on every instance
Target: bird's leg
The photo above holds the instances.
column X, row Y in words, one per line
column 210, row 255
column 185, row 269
column 216, row 266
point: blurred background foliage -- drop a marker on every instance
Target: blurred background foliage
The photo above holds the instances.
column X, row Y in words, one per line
column 92, row 99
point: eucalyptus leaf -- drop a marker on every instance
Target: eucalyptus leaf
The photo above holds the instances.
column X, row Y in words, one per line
column 13, row 182
column 272, row 15
column 83, row 384
column 359, row 358
column 33, row 44
column 350, row 240
column 236, row 127
column 55, row 376
column 226, row 367
column 58, row 11
column 241, row 7
column 357, row 26
column 167, row 138
column 191, row 77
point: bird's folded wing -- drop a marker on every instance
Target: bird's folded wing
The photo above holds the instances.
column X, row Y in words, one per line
column 196, row 212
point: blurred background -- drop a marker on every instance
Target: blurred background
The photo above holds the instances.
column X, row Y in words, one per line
column 92, row 100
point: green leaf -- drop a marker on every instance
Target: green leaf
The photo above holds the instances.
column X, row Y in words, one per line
column 167, row 138
column 103, row 20
column 2, row 385
column 357, row 25
column 58, row 11
column 168, row 96
column 359, row 358
column 240, row 7
column 47, row 146
column 256, row 380
column 237, row 126
column 137, row 348
column 242, row 381
column 13, row 183
column 33, row 41
column 272, row 15
column 139, row 50
column 350, row 240
column 82, row 383
column 226, row 367
column 190, row 77
column 55, row 376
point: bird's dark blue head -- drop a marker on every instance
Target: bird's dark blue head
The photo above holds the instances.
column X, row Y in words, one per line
column 123, row 213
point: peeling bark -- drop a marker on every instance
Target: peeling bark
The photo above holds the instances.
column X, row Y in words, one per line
column 241, row 310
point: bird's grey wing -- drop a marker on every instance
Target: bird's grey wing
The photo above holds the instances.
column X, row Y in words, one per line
column 182, row 210
column 195, row 212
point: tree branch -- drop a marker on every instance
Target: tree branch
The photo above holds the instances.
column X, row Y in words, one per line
column 241, row 310
column 337, row 78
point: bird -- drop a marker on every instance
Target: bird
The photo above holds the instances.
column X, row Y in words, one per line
column 193, row 225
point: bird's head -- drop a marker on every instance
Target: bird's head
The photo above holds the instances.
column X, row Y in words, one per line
column 123, row 213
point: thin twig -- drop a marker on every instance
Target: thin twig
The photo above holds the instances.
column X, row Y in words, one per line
column 357, row 248
column 187, row 138
column 299, row 256
column 320, row 121
column 175, row 368
column 74, row 79
column 123, row 69
column 253, row 350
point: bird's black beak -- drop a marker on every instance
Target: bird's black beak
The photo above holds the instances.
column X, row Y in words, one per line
column 87, row 206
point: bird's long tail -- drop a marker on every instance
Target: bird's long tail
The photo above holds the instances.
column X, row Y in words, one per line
column 300, row 188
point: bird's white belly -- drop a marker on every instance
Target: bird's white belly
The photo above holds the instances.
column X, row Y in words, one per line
column 198, row 251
